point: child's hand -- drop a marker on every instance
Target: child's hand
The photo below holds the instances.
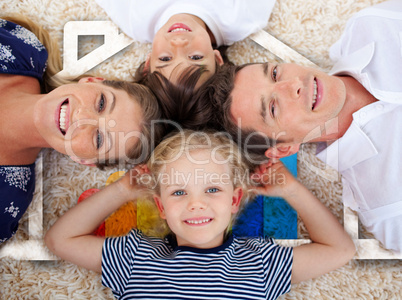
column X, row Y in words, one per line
column 130, row 182
column 273, row 179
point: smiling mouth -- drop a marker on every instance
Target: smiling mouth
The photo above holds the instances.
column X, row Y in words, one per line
column 63, row 118
column 198, row 222
column 314, row 94
column 179, row 27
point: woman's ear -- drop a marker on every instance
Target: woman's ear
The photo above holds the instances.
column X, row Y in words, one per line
column 282, row 150
column 87, row 162
column 236, row 199
column 218, row 57
column 158, row 202
column 145, row 70
column 91, row 79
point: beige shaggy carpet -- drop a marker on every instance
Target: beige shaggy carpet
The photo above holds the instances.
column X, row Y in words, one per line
column 307, row 26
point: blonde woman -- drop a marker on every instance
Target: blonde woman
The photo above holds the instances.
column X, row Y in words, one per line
column 94, row 121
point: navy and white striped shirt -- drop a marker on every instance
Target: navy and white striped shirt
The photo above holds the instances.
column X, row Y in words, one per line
column 140, row 267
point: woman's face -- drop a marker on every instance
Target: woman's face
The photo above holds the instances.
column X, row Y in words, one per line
column 182, row 42
column 89, row 121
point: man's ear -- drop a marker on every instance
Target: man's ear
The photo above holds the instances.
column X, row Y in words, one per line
column 91, row 79
column 236, row 199
column 218, row 57
column 87, row 162
column 282, row 150
column 158, row 202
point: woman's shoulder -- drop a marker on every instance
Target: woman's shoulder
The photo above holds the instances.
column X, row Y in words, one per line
column 21, row 53
column 20, row 178
column 17, row 184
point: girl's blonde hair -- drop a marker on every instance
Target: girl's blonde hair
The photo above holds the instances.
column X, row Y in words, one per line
column 176, row 145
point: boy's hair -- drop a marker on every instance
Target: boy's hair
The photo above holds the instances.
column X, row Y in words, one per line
column 185, row 141
column 142, row 71
column 217, row 91
column 177, row 100
column 151, row 132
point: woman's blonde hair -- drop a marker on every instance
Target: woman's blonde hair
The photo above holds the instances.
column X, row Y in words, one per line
column 151, row 134
column 174, row 146
column 54, row 63
column 152, row 131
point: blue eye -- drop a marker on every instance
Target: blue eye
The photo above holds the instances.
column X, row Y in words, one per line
column 273, row 109
column 179, row 193
column 212, row 190
column 196, row 57
column 99, row 139
column 101, row 105
column 165, row 58
column 274, row 73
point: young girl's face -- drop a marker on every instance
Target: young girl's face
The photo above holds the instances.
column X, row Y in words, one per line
column 197, row 198
column 182, row 42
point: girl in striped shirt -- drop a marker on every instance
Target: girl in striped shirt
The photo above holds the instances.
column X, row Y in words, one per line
column 199, row 182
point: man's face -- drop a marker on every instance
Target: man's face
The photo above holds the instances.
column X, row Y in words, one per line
column 286, row 102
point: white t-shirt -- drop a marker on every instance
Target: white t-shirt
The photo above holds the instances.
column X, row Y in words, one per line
column 228, row 20
column 369, row 154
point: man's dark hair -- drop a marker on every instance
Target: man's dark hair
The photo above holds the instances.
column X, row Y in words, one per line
column 217, row 90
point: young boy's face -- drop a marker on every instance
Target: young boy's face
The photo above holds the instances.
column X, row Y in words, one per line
column 197, row 198
column 182, row 42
